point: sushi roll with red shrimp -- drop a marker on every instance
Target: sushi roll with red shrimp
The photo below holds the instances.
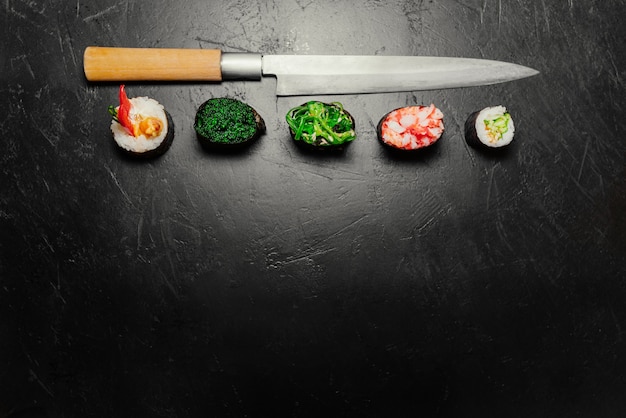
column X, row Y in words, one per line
column 141, row 127
column 411, row 128
column 491, row 127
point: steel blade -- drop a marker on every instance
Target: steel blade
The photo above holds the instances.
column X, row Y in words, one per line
column 353, row 74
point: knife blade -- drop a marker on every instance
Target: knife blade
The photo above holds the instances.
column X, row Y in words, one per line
column 299, row 74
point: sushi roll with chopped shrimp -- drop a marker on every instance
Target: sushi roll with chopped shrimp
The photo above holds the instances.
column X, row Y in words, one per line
column 411, row 128
column 491, row 127
column 141, row 127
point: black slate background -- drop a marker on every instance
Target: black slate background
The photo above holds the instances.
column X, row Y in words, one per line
column 274, row 282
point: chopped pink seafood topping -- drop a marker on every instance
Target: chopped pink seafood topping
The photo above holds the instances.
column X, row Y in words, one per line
column 412, row 127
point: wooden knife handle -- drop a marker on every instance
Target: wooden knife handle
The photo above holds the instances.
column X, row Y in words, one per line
column 154, row 64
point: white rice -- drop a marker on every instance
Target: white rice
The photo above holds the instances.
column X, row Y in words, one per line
column 491, row 113
column 145, row 107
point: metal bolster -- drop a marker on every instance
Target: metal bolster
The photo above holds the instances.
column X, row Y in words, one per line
column 241, row 66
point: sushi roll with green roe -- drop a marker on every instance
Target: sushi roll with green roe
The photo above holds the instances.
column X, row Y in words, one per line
column 227, row 122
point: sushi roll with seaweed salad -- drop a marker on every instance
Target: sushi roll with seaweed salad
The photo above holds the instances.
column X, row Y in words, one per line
column 321, row 125
column 141, row 127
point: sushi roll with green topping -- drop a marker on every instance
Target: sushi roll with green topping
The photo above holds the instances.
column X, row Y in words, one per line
column 321, row 125
column 141, row 127
column 491, row 127
column 227, row 122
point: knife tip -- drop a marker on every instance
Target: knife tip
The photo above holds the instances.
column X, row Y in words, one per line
column 529, row 72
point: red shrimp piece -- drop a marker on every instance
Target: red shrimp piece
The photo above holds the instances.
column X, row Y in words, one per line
column 123, row 112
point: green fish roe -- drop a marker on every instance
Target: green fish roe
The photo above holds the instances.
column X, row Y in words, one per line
column 225, row 121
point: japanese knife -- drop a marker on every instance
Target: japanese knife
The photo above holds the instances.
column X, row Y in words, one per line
column 298, row 74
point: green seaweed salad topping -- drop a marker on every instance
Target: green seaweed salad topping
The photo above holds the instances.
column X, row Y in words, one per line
column 225, row 121
column 323, row 124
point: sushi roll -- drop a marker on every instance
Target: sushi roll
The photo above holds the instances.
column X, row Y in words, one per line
column 227, row 122
column 411, row 128
column 320, row 125
column 141, row 127
column 491, row 127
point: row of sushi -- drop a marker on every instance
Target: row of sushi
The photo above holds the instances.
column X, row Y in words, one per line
column 142, row 127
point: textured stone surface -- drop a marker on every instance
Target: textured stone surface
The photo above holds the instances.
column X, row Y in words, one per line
column 276, row 282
